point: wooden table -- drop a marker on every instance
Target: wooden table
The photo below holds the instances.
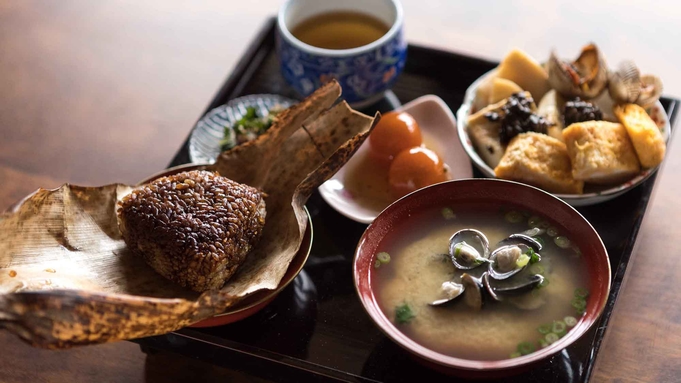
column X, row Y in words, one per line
column 98, row 92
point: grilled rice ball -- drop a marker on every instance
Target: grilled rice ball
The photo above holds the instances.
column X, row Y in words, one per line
column 194, row 228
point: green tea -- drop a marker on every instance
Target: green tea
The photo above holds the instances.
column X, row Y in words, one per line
column 340, row 30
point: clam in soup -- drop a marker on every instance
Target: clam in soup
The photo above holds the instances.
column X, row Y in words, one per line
column 480, row 284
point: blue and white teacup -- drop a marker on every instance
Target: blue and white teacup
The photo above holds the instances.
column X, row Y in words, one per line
column 364, row 73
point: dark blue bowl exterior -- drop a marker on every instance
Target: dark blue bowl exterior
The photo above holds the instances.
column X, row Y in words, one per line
column 361, row 76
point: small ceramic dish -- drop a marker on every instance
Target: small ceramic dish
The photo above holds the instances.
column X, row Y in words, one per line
column 258, row 300
column 204, row 141
column 438, row 127
column 495, row 194
column 593, row 194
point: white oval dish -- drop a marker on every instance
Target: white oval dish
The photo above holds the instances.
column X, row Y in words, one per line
column 438, row 126
column 593, row 194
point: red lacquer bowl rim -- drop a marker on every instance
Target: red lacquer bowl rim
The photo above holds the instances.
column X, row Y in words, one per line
column 260, row 297
column 366, row 248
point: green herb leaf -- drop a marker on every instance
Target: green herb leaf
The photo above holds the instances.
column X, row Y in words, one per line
column 403, row 314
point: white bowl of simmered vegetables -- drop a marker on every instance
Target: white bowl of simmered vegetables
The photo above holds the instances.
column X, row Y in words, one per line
column 482, row 277
column 580, row 129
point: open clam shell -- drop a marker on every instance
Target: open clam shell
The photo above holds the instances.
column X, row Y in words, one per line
column 503, row 260
column 624, row 84
column 451, row 291
column 586, row 77
column 468, row 249
column 651, row 91
column 474, row 294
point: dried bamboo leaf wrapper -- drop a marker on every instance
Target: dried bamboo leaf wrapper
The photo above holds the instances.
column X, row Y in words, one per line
column 66, row 277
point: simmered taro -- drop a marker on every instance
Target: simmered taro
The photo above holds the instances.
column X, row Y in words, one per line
column 481, row 284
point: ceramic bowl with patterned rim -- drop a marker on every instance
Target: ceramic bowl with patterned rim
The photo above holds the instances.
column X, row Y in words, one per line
column 204, row 141
column 593, row 194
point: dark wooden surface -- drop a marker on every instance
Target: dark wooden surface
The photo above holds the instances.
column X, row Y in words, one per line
column 98, row 92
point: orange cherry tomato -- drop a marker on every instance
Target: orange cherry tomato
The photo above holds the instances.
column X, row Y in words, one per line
column 395, row 132
column 413, row 169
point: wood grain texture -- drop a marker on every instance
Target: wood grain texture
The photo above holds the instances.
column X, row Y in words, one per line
column 117, row 84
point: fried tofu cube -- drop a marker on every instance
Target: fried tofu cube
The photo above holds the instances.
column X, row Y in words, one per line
column 644, row 134
column 539, row 160
column 601, row 152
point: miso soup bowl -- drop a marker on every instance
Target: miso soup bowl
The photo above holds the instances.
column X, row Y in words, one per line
column 496, row 194
column 364, row 73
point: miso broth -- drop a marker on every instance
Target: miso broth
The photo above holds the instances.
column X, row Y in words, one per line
column 417, row 267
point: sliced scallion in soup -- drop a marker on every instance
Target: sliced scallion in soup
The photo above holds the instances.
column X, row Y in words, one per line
column 479, row 283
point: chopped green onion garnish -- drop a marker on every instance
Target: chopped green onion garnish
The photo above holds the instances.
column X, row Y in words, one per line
column 570, row 321
column 525, row 348
column 377, row 264
column 513, row 217
column 515, row 354
column 536, row 269
column 544, row 329
column 534, row 257
column 543, row 343
column 578, row 301
column 581, row 292
column 544, row 282
column 403, row 314
column 552, row 231
column 448, row 213
column 551, row 338
column 457, row 249
column 534, row 221
column 539, row 239
column 383, row 257
column 579, row 304
column 559, row 328
column 562, row 242
column 522, row 261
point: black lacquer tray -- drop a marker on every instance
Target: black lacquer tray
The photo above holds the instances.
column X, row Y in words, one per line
column 317, row 330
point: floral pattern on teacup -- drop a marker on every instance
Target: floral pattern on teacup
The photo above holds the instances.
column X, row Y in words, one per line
column 361, row 76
